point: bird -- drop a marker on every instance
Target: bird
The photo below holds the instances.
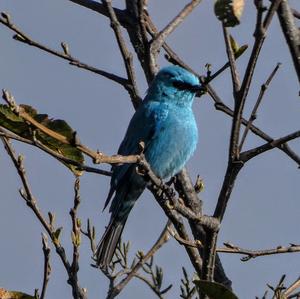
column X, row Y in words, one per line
column 165, row 124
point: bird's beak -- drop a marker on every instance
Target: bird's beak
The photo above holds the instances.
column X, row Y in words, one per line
column 197, row 88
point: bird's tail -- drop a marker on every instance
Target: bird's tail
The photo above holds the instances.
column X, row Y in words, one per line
column 124, row 200
column 107, row 245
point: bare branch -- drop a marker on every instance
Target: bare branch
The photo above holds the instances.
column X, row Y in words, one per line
column 196, row 243
column 251, row 254
column 38, row 144
column 234, row 164
column 292, row 288
column 233, row 68
column 32, row 204
column 160, row 38
column 291, row 32
column 127, row 56
column 162, row 239
column 245, row 156
column 90, row 233
column 76, row 239
column 260, row 34
column 95, row 6
column 47, row 266
column 219, row 105
column 258, row 101
column 22, row 37
column 148, row 282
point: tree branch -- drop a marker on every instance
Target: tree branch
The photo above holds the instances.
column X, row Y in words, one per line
column 76, row 240
column 47, row 266
column 162, row 239
column 292, row 288
column 22, row 37
column 246, row 156
column 52, row 232
column 164, row 195
column 258, row 101
column 56, row 155
column 97, row 156
column 160, row 38
column 219, row 104
column 251, row 254
column 233, row 68
column 127, row 56
column 291, row 33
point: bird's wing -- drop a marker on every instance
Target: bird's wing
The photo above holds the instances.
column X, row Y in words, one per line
column 144, row 125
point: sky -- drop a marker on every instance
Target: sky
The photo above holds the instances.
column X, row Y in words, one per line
column 264, row 208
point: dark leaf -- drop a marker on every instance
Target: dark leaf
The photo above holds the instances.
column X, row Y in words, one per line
column 5, row 294
column 229, row 11
column 10, row 121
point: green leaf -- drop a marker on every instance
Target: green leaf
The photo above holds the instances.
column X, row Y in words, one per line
column 10, row 121
column 56, row 234
column 234, row 45
column 76, row 239
column 5, row 294
column 240, row 51
column 237, row 50
column 214, row 290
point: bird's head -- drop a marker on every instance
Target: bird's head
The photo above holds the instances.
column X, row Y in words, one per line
column 174, row 84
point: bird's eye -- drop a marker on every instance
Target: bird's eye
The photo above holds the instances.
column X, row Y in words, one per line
column 181, row 85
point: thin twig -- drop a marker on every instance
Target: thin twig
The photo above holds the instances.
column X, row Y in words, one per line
column 32, row 204
column 233, row 68
column 234, row 164
column 160, row 38
column 196, row 243
column 291, row 33
column 101, row 9
column 292, row 288
column 47, row 266
column 162, row 239
column 24, row 38
column 241, row 95
column 247, row 155
column 76, row 239
column 260, row 34
column 258, row 101
column 219, row 105
column 91, row 234
column 127, row 56
column 173, row 58
column 152, row 287
column 251, row 254
column 38, row 144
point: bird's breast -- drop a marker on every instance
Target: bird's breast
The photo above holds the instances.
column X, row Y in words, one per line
column 173, row 144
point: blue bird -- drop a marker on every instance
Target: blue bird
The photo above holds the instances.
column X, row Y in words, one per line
column 165, row 123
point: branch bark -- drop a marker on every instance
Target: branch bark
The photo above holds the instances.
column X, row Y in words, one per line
column 291, row 33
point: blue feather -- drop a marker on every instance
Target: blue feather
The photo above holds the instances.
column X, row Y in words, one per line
column 165, row 123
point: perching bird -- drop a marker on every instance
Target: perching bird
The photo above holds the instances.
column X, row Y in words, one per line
column 165, row 123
